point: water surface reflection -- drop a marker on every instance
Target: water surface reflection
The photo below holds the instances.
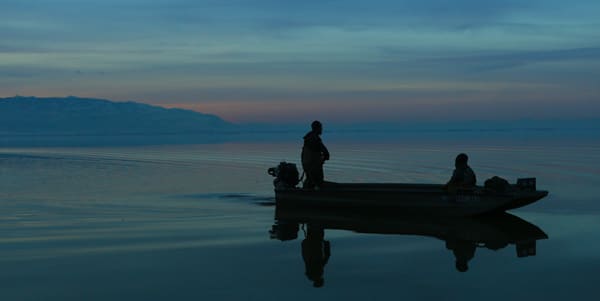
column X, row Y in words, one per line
column 462, row 235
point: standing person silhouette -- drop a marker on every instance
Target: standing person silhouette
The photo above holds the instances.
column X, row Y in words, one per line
column 315, row 252
column 314, row 154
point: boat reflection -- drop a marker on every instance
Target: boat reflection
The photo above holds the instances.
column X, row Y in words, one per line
column 462, row 235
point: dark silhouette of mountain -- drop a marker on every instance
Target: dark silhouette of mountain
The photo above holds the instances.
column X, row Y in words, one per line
column 85, row 116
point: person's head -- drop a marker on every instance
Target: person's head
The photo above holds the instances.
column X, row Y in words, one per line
column 317, row 126
column 316, row 276
column 319, row 282
column 461, row 160
column 462, row 266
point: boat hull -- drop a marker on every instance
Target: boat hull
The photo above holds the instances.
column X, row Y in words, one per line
column 426, row 199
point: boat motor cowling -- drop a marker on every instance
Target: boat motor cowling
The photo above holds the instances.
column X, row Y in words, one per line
column 286, row 175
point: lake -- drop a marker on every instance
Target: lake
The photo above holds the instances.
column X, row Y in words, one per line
column 183, row 222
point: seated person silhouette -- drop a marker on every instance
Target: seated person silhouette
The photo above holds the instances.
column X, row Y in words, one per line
column 314, row 154
column 463, row 176
column 315, row 252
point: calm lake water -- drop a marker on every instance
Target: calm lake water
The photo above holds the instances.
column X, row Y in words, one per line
column 192, row 222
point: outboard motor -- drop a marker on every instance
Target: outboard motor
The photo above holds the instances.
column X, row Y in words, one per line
column 286, row 175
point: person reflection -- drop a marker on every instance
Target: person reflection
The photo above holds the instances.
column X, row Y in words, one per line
column 463, row 252
column 315, row 252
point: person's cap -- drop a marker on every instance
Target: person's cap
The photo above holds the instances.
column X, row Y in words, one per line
column 463, row 158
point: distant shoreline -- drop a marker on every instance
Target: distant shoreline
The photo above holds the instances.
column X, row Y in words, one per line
column 450, row 136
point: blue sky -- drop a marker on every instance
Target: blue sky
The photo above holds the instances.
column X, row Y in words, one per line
column 342, row 61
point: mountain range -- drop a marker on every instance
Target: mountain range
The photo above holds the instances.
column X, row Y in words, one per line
column 76, row 121
column 86, row 116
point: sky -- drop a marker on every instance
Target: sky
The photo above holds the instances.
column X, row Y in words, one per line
column 340, row 61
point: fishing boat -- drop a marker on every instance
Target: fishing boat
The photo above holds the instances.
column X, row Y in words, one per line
column 428, row 199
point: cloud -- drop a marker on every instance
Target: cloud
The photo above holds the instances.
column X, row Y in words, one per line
column 295, row 51
column 478, row 62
